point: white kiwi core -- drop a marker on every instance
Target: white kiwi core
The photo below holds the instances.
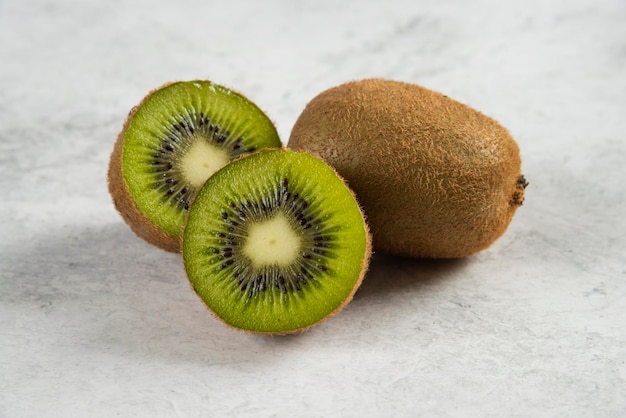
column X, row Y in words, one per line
column 272, row 242
column 202, row 160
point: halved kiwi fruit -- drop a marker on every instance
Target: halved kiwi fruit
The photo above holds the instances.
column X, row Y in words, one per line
column 175, row 139
column 275, row 242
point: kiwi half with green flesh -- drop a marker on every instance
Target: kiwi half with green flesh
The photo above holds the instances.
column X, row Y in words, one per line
column 175, row 139
column 436, row 178
column 275, row 242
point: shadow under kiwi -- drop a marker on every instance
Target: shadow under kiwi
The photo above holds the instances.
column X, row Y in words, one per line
column 107, row 290
column 388, row 274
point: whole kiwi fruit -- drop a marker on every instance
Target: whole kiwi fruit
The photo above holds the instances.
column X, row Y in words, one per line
column 436, row 178
column 275, row 242
column 171, row 142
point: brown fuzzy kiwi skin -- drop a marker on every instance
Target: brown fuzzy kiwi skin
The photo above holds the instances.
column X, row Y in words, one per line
column 357, row 285
column 436, row 178
column 138, row 222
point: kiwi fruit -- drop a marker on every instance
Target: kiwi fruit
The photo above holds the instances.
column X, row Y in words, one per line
column 275, row 242
column 177, row 137
column 436, row 178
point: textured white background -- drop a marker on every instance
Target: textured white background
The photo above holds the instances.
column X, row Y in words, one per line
column 94, row 322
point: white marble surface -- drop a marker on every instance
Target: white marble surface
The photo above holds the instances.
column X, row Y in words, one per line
column 94, row 322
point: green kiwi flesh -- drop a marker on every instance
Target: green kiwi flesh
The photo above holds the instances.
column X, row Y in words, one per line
column 436, row 178
column 275, row 242
column 177, row 137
